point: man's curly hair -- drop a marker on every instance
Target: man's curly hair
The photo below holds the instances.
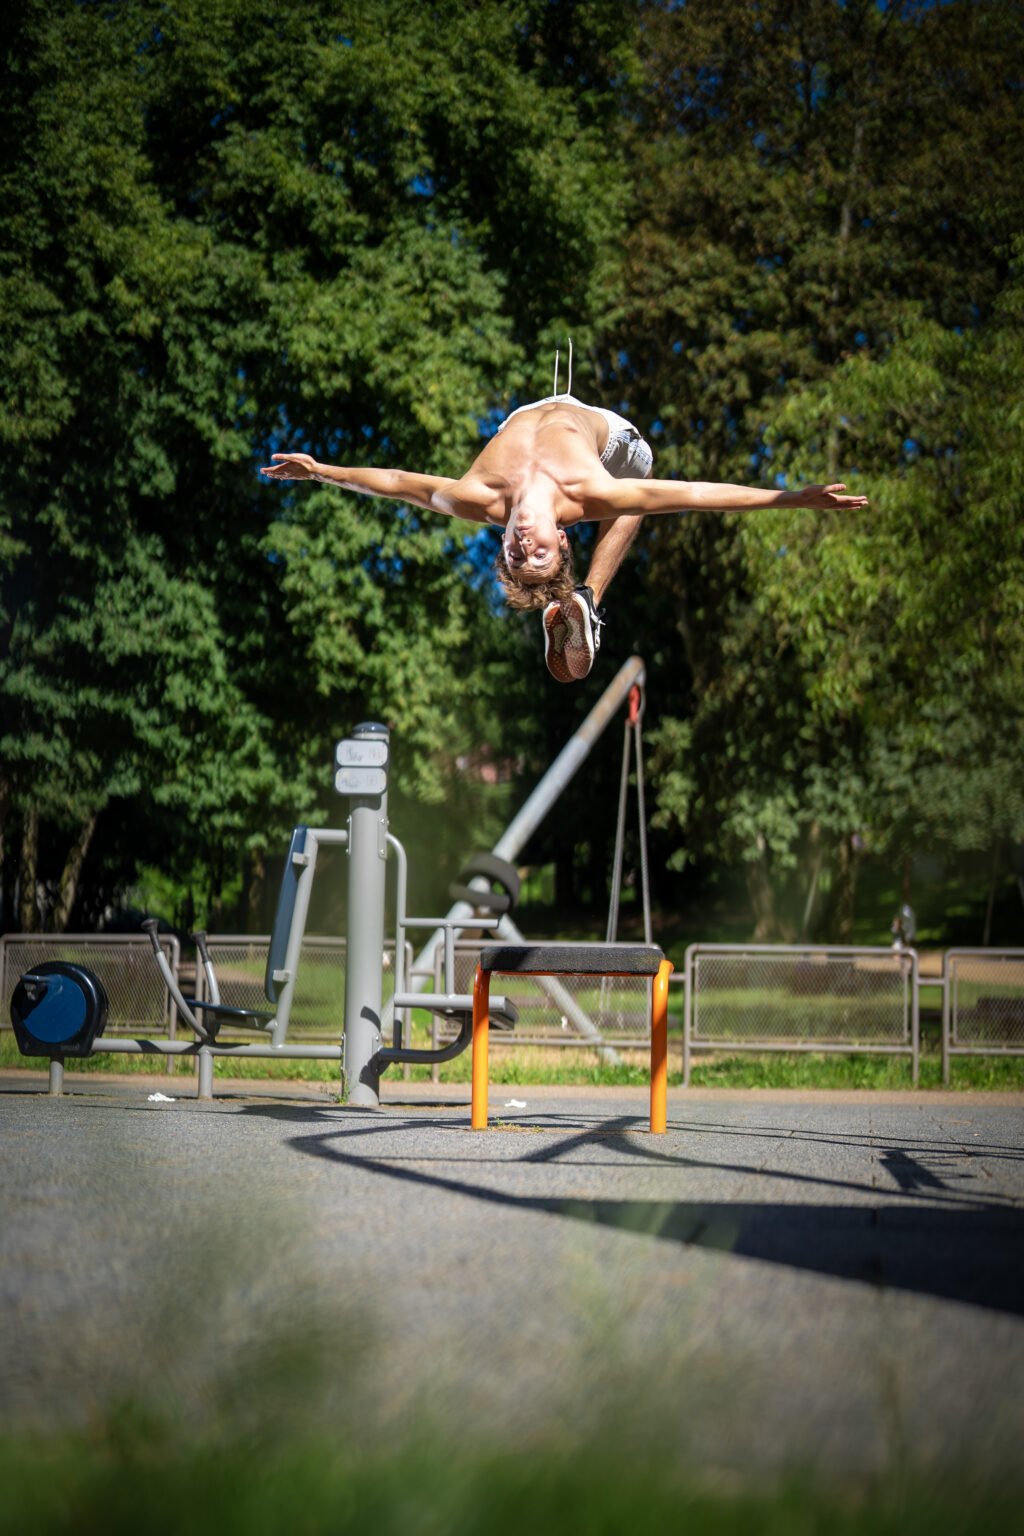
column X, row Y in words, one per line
column 526, row 596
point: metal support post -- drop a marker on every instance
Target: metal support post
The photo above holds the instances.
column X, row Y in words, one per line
column 362, row 765
column 204, row 1089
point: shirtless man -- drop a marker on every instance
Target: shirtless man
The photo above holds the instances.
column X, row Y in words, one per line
column 551, row 465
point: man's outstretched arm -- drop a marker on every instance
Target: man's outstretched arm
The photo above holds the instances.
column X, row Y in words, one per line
column 434, row 492
column 650, row 496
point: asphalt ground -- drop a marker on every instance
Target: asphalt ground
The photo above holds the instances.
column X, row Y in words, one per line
column 824, row 1283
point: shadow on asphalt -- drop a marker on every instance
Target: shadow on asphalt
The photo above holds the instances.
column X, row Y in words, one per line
column 970, row 1256
column 958, row 1246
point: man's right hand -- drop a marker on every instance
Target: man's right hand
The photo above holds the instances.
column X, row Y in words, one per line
column 291, row 466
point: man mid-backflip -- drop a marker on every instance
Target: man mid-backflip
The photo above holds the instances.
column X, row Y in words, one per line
column 550, row 465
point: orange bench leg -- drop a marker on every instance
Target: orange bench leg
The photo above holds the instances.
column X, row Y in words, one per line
column 659, row 1047
column 481, row 1035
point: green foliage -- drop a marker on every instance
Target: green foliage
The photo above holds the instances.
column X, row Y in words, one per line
column 911, row 619
column 228, row 229
column 818, row 287
column 806, row 172
column 781, row 238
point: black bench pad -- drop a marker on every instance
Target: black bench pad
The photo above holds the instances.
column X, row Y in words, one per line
column 572, row 959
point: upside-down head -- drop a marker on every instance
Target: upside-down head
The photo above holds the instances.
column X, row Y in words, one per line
column 526, row 589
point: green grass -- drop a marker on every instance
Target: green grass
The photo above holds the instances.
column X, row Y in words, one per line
column 570, row 1067
column 769, row 1070
column 132, row 1475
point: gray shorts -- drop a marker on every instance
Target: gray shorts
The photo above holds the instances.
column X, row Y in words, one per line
column 627, row 455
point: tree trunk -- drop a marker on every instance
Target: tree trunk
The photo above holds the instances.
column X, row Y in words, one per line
column 257, row 880
column 844, row 888
column 565, row 879
column 762, row 897
column 215, row 894
column 72, row 870
column 817, row 855
column 28, row 906
column 990, row 904
column 598, row 868
column 845, row 231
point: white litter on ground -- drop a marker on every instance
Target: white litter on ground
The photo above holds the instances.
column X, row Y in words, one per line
column 515, row 1104
column 160, row 1098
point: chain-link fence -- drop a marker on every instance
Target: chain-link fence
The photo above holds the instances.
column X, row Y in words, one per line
column 737, row 997
column 791, row 998
column 139, row 1000
column 983, row 1013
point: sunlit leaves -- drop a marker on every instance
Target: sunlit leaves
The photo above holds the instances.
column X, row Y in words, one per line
column 228, row 229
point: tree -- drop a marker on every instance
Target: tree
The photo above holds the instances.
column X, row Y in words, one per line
column 816, row 181
column 226, row 227
column 914, row 620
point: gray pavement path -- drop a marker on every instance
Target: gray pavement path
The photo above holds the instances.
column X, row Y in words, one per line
column 779, row 1282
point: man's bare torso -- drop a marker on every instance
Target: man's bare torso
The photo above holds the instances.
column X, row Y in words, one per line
column 559, row 445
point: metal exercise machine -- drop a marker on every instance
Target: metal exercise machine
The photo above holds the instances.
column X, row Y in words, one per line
column 59, row 1010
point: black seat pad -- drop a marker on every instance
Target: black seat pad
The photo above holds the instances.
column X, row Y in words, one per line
column 573, row 959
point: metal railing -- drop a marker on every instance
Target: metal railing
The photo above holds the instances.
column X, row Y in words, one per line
column 617, row 1007
column 318, row 1006
column 140, row 1002
column 737, row 997
column 776, row 997
column 983, row 1004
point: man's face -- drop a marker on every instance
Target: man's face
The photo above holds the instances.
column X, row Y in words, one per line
column 533, row 545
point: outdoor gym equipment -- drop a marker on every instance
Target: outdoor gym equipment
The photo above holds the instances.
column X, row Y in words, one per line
column 67, row 1005
column 57, row 1010
column 361, row 774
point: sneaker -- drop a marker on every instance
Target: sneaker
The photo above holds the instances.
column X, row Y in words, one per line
column 572, row 636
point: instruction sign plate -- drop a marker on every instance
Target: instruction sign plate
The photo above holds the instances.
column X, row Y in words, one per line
column 361, row 754
column 361, row 781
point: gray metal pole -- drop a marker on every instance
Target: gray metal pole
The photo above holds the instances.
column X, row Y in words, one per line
column 204, row 1063
column 367, row 867
column 612, row 929
column 568, row 760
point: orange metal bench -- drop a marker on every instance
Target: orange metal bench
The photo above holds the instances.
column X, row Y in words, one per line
column 574, row 960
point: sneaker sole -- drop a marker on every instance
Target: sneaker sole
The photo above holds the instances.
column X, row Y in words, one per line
column 568, row 656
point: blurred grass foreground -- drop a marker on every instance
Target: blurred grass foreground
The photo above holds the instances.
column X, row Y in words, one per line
column 131, row 1475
